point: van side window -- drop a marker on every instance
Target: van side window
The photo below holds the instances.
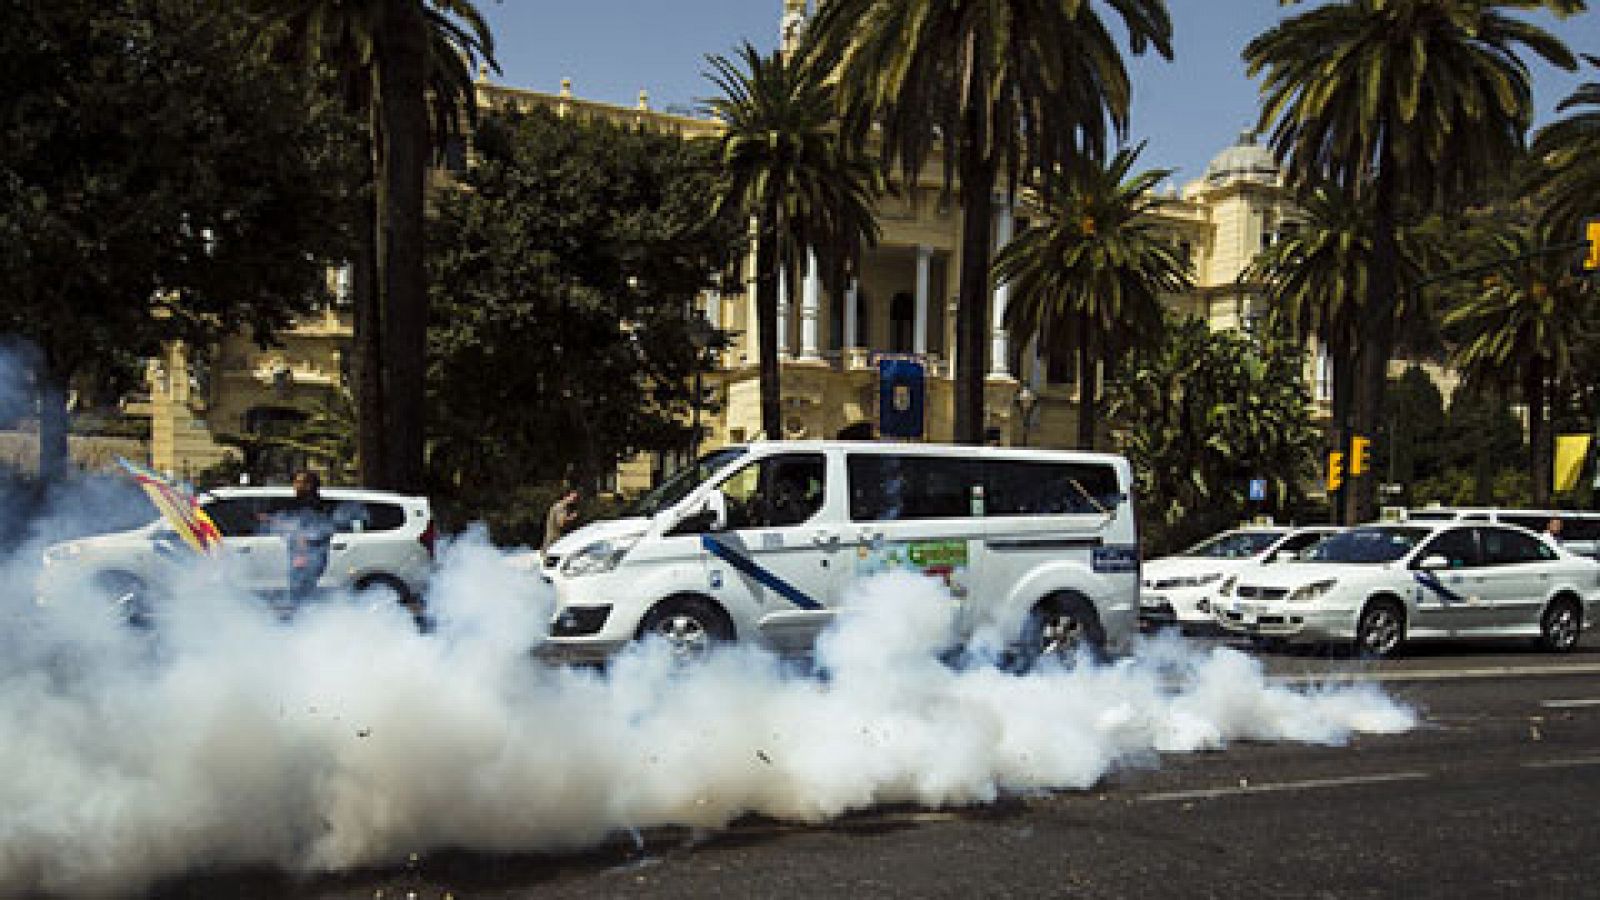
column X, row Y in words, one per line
column 1026, row 488
column 776, row 491
column 885, row 487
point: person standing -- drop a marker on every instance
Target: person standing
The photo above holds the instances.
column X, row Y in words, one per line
column 307, row 528
column 560, row 518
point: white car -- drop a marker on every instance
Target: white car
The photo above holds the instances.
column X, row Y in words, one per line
column 381, row 539
column 1177, row 589
column 1379, row 586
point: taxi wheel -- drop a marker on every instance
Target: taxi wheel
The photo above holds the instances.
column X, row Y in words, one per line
column 1560, row 625
column 1381, row 630
column 691, row 626
column 1060, row 626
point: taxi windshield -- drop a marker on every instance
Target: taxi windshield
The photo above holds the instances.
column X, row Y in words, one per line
column 1235, row 545
column 1367, row 544
column 683, row 482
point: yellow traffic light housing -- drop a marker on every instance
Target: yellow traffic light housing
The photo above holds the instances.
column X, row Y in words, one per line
column 1335, row 470
column 1591, row 233
column 1360, row 455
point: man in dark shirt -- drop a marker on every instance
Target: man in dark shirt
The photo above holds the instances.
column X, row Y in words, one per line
column 308, row 530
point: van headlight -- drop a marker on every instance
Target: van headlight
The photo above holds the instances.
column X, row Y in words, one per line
column 597, row 558
column 1308, row 593
column 60, row 553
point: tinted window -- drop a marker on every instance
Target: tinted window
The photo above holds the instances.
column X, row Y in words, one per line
column 1458, row 545
column 1367, row 544
column 1301, row 541
column 886, row 487
column 1502, row 546
column 356, row 516
column 1028, row 488
column 1234, row 545
column 235, row 516
column 776, row 491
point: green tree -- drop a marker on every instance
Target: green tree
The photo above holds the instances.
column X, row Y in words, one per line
column 1409, row 106
column 1569, row 152
column 1091, row 277
column 784, row 164
column 157, row 182
column 1200, row 417
column 562, row 273
column 1520, row 331
column 996, row 88
column 407, row 65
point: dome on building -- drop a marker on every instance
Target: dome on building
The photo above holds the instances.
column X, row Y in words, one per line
column 1245, row 160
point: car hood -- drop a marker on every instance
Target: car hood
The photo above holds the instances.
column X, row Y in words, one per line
column 605, row 530
column 1174, row 566
column 1291, row 575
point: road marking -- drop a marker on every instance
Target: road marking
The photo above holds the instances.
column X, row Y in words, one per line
column 1435, row 674
column 1314, row 784
column 1562, row 763
column 1570, row 704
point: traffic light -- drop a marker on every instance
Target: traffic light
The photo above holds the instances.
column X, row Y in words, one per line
column 1360, row 454
column 1335, row 470
column 1591, row 233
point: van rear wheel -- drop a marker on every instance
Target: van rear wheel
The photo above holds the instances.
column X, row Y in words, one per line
column 691, row 627
column 1060, row 627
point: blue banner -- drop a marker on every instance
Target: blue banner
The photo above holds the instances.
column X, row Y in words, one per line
column 902, row 398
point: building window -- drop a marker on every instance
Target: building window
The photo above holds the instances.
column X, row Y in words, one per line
column 902, row 317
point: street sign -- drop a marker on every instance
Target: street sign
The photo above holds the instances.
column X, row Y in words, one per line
column 1258, row 489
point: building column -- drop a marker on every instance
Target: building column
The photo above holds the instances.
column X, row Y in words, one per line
column 810, row 305
column 752, row 287
column 713, row 301
column 999, row 352
column 919, row 324
column 852, row 314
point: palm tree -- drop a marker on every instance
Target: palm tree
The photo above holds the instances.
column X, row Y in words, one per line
column 1569, row 154
column 407, row 65
column 1409, row 105
column 1523, row 330
column 785, row 165
column 998, row 88
column 1092, row 276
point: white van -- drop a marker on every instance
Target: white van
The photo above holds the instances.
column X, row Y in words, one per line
column 760, row 542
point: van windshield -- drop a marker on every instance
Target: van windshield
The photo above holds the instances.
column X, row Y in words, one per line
column 683, row 482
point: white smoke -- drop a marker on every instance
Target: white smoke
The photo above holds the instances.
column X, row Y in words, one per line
column 227, row 737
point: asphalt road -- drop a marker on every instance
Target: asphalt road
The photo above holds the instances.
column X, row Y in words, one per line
column 1497, row 794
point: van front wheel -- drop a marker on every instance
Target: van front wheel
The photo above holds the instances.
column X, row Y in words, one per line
column 691, row 626
column 1060, row 627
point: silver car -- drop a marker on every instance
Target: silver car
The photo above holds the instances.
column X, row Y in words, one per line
column 1379, row 586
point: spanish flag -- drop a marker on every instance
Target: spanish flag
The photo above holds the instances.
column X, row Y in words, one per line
column 179, row 507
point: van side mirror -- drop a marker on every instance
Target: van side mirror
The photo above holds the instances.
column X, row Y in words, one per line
column 1435, row 561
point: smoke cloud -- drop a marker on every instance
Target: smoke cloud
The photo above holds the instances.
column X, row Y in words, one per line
column 227, row 737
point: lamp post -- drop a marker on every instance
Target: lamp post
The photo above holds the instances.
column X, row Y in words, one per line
column 702, row 335
column 1026, row 401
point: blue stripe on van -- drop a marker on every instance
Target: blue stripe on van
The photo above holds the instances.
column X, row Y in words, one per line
column 750, row 567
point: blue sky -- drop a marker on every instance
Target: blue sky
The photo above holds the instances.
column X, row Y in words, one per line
column 1187, row 110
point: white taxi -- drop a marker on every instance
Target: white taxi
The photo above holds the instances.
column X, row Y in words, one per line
column 1177, row 589
column 1379, row 586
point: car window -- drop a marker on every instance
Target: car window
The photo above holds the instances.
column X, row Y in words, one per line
column 1015, row 487
column 1299, row 542
column 1367, row 544
column 360, row 517
column 886, row 487
column 235, row 516
column 1502, row 546
column 1458, row 545
column 776, row 491
column 1234, row 545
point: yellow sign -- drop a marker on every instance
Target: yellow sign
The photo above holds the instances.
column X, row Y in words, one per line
column 1335, row 470
column 1571, row 449
column 1360, row 454
column 1591, row 263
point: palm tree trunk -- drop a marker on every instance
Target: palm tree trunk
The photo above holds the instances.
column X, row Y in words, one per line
column 366, row 358
column 1533, row 393
column 1344, row 377
column 972, row 304
column 767, row 267
column 402, row 284
column 1377, row 345
column 1088, row 389
column 55, row 450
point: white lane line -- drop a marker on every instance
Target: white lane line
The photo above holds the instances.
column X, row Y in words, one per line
column 1562, row 763
column 1434, row 674
column 1570, row 704
column 1278, row 787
